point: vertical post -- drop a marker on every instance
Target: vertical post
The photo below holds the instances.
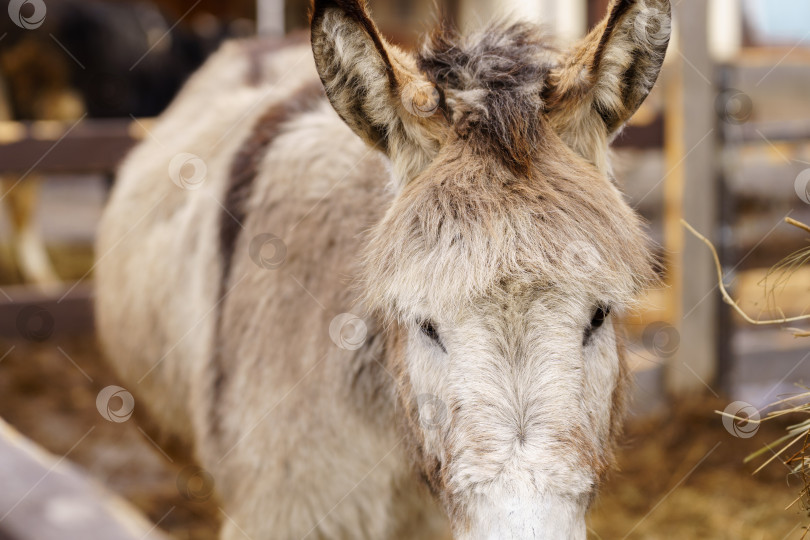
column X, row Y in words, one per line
column 690, row 192
column 270, row 18
column 548, row 13
column 729, row 140
column 572, row 19
column 567, row 19
column 597, row 9
column 725, row 29
column 474, row 14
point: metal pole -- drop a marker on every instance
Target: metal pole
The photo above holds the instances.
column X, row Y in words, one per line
column 270, row 18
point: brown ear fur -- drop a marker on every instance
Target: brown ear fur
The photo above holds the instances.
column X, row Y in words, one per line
column 605, row 77
column 375, row 87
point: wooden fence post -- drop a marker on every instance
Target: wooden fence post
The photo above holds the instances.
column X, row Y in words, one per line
column 690, row 192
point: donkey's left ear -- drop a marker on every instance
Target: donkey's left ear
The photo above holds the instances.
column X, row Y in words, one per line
column 375, row 87
column 605, row 77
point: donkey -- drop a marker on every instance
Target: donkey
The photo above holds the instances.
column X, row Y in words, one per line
column 376, row 292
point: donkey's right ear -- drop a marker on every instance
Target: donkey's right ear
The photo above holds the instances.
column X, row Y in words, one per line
column 375, row 87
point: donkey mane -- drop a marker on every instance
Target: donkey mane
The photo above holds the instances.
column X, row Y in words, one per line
column 493, row 82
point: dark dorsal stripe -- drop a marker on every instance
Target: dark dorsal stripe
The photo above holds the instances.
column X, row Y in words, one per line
column 244, row 168
column 245, row 165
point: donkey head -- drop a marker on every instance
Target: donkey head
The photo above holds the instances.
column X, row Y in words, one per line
column 506, row 253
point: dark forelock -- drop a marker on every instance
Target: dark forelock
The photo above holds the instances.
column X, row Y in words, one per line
column 493, row 82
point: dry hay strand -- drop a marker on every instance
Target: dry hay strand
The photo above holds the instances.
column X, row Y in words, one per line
column 799, row 461
column 783, row 270
column 780, row 274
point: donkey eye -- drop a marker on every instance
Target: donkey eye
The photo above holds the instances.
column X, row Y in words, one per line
column 597, row 320
column 429, row 330
column 599, row 317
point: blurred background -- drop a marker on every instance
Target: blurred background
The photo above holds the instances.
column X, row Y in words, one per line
column 723, row 142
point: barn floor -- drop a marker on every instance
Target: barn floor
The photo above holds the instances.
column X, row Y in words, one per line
column 680, row 476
